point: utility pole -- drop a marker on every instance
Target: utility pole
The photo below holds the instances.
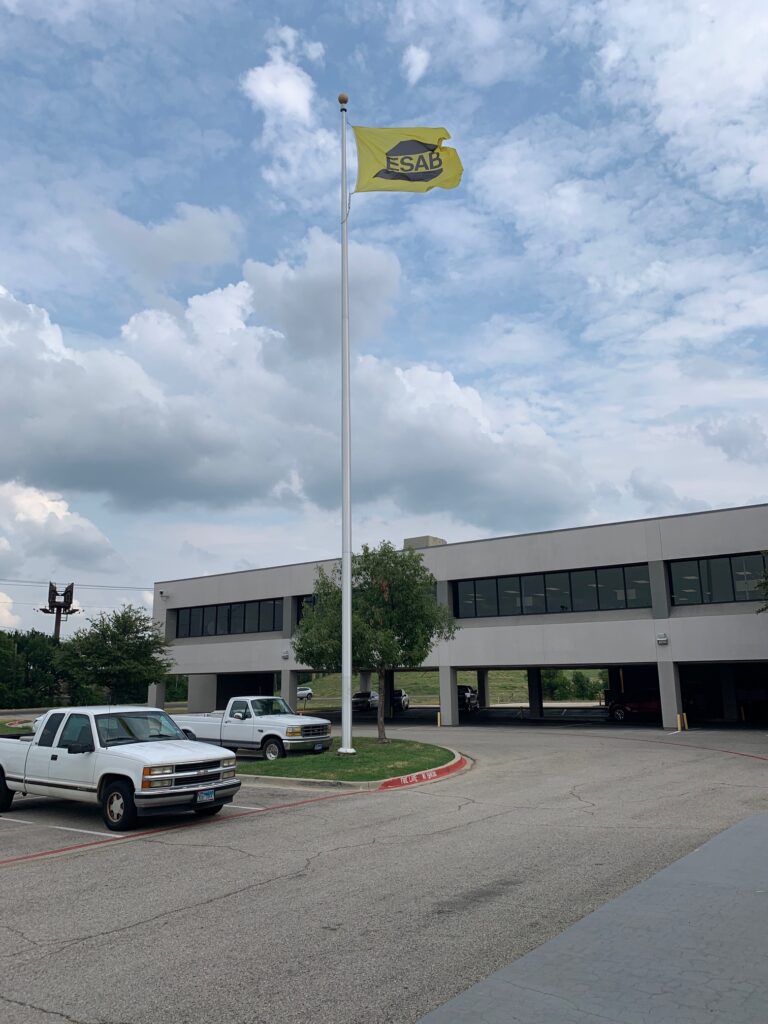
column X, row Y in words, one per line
column 59, row 608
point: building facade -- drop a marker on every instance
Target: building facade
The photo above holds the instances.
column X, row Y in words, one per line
column 667, row 605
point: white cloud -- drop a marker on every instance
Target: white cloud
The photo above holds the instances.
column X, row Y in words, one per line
column 8, row 619
column 280, row 89
column 415, row 63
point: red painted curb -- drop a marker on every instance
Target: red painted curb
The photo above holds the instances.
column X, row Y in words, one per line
column 426, row 776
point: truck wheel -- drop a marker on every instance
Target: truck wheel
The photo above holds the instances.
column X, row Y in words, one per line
column 273, row 749
column 6, row 795
column 619, row 713
column 117, row 807
column 207, row 812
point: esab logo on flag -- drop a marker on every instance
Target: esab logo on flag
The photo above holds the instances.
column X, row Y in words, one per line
column 405, row 160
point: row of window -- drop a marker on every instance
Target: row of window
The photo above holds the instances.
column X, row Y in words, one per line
column 579, row 590
column 716, row 580
column 229, row 619
column 692, row 581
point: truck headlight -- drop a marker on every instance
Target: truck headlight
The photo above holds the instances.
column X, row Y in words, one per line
column 293, row 730
column 159, row 769
column 229, row 762
column 228, row 775
column 157, row 783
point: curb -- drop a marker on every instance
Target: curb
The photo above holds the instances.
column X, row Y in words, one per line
column 459, row 763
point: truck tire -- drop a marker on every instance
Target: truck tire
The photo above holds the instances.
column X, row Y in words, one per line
column 6, row 795
column 273, row 748
column 207, row 812
column 117, row 806
column 619, row 713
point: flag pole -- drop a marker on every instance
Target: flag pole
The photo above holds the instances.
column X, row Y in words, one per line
column 346, row 460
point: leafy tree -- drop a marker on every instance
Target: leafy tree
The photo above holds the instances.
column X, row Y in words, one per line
column 555, row 684
column 585, row 688
column 396, row 620
column 29, row 673
column 762, row 587
column 120, row 653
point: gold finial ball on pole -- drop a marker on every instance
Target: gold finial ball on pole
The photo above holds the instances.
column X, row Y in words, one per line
column 343, row 99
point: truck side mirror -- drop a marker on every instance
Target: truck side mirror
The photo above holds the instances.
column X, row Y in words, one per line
column 239, row 715
column 81, row 748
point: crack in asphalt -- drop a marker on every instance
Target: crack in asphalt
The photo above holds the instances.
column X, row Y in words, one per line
column 58, row 1013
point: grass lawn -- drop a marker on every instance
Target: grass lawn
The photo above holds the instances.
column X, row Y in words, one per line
column 16, row 730
column 506, row 686
column 372, row 761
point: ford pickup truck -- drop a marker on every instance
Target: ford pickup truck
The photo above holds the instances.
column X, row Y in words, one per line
column 266, row 725
column 133, row 761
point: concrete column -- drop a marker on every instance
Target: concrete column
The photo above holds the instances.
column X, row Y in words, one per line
column 365, row 682
column 535, row 697
column 449, row 696
column 669, row 691
column 730, row 697
column 289, row 680
column 202, row 693
column 660, row 598
column 156, row 695
column 482, row 688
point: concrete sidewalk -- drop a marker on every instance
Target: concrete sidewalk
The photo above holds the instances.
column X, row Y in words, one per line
column 688, row 946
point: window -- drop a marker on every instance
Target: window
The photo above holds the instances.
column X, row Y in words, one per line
column 77, row 729
column 242, row 707
column 266, row 616
column 278, row 623
column 465, row 599
column 209, row 621
column 716, row 580
column 195, row 621
column 584, row 590
column 638, row 586
column 222, row 620
column 237, row 618
column 50, row 729
column 747, row 573
column 182, row 622
column 509, row 596
column 252, row 617
column 610, row 588
column 486, row 602
column 302, row 604
column 558, row 592
column 534, row 601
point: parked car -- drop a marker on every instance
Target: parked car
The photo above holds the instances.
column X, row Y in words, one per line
column 304, row 693
column 625, row 709
column 365, row 701
column 468, row 699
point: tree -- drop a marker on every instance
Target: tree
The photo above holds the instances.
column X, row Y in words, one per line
column 396, row 619
column 122, row 653
column 555, row 684
column 28, row 669
column 762, row 587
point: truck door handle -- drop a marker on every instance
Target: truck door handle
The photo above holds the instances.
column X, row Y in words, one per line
column 54, row 757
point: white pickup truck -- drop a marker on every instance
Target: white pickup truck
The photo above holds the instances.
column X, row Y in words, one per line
column 133, row 761
column 267, row 725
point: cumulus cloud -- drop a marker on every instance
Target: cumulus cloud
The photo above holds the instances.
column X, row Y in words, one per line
column 8, row 618
column 741, row 438
column 415, row 63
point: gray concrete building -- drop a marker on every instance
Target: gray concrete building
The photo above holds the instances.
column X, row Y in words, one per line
column 666, row 605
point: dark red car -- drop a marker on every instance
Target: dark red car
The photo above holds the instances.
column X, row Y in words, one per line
column 625, row 708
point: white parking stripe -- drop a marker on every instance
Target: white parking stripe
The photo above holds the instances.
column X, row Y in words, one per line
column 246, row 807
column 88, row 832
column 20, row 821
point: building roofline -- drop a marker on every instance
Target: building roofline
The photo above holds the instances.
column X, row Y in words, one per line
column 481, row 540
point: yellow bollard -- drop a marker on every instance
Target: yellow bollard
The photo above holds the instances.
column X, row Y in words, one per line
column 679, row 723
column 685, row 721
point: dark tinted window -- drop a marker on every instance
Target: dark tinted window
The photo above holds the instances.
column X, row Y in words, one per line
column 558, row 591
column 266, row 616
column 222, row 620
column 534, row 601
column 747, row 572
column 716, row 581
column 196, row 622
column 610, row 588
column 252, row 617
column 236, row 618
column 209, row 621
column 686, row 586
column 278, row 613
column 77, row 729
column 584, row 590
column 182, row 622
column 485, row 598
column 638, row 582
column 50, row 729
column 509, row 595
column 465, row 599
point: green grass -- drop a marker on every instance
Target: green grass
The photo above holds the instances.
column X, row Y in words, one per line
column 507, row 686
column 372, row 761
column 17, row 730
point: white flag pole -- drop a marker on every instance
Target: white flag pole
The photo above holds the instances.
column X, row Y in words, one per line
column 346, row 461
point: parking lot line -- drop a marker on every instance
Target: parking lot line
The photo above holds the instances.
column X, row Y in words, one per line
column 148, row 833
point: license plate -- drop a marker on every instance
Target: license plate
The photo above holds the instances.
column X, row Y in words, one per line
column 205, row 795
column 318, row 746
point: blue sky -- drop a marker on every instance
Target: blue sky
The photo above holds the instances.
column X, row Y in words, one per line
column 575, row 335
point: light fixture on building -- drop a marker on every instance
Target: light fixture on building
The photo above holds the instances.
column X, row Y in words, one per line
column 661, row 639
column 285, row 655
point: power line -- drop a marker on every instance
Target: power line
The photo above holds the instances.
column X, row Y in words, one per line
column 80, row 586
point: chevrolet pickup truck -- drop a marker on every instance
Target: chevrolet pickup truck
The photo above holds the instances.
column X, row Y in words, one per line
column 133, row 761
column 266, row 725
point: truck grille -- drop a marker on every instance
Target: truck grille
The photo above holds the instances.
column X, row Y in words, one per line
column 314, row 730
column 196, row 773
column 197, row 766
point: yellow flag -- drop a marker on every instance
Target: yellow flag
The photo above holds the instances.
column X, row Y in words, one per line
column 405, row 160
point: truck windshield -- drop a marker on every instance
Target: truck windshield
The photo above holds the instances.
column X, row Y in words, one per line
column 270, row 706
column 119, row 727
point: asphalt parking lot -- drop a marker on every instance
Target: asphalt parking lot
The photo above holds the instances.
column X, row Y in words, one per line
column 308, row 904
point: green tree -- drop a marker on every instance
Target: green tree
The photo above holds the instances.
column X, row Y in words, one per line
column 762, row 587
column 396, row 620
column 555, row 684
column 585, row 688
column 120, row 653
column 29, row 675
